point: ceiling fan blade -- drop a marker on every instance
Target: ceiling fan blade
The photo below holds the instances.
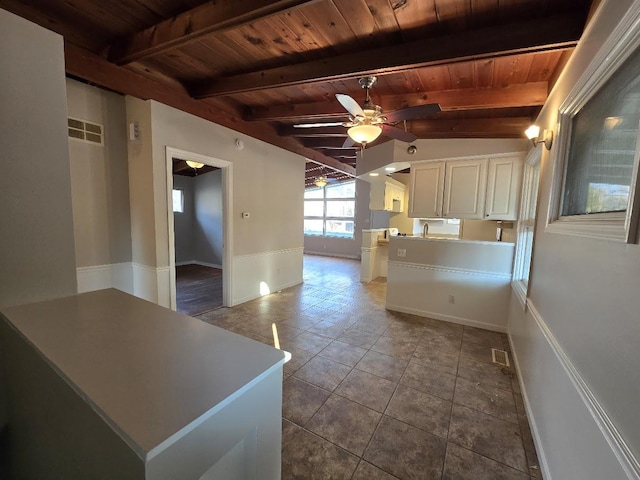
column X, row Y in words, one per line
column 314, row 125
column 412, row 113
column 350, row 105
column 398, row 134
column 348, row 143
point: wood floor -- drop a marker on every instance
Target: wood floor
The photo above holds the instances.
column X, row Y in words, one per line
column 198, row 289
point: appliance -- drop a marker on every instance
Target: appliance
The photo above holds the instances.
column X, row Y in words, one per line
column 367, row 123
column 393, row 232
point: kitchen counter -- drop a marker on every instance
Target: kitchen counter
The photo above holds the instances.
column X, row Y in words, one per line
column 156, row 378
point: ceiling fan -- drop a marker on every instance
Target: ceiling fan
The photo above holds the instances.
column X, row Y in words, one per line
column 368, row 122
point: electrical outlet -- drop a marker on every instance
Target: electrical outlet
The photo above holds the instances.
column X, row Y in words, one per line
column 452, row 299
column 402, row 252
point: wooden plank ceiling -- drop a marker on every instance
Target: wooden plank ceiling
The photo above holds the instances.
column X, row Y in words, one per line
column 260, row 67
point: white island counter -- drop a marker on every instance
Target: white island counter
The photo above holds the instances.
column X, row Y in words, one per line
column 104, row 385
column 461, row 281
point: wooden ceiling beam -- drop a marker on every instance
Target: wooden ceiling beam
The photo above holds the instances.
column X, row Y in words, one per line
column 319, row 132
column 501, row 127
column 326, row 143
column 516, row 95
column 535, row 35
column 210, row 17
column 95, row 69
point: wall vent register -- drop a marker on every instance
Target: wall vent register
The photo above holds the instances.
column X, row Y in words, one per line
column 85, row 131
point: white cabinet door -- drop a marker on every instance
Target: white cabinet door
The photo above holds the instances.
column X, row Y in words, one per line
column 396, row 195
column 387, row 196
column 464, row 189
column 503, row 188
column 426, row 188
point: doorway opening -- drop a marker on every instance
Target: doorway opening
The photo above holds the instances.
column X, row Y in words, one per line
column 199, row 203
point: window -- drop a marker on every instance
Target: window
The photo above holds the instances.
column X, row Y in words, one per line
column 330, row 211
column 178, row 201
column 594, row 190
column 526, row 224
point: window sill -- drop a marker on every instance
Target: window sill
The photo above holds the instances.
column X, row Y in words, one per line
column 582, row 226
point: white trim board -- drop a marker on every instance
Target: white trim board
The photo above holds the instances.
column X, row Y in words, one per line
column 448, row 318
column 99, row 277
column 329, row 254
column 227, row 222
column 438, row 268
column 197, row 262
column 619, row 448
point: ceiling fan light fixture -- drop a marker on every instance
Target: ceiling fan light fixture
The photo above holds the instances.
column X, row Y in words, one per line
column 365, row 133
column 195, row 165
column 321, row 181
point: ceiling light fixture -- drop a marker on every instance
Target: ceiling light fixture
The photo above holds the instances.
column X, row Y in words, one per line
column 364, row 133
column 321, row 181
column 195, row 165
column 374, row 174
column 390, row 169
column 533, row 134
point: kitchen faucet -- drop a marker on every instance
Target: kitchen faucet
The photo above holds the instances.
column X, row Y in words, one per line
column 425, row 229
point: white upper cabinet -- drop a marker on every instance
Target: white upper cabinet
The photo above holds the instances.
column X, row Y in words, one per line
column 426, row 190
column 483, row 187
column 464, row 188
column 387, row 195
column 503, row 188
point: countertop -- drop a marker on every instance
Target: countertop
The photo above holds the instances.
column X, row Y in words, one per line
column 152, row 374
column 437, row 238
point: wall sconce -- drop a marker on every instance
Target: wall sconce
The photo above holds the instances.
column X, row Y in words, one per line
column 533, row 134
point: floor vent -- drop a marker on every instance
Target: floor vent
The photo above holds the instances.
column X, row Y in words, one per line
column 500, row 357
column 85, row 131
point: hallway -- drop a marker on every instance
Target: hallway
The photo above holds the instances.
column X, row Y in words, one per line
column 374, row 394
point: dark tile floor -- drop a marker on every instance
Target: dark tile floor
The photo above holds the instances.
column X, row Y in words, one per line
column 198, row 289
column 374, row 394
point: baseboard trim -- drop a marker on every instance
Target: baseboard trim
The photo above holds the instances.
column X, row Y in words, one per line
column 98, row 277
column 437, row 268
column 248, row 298
column 616, row 442
column 197, row 262
column 328, row 254
column 448, row 318
column 542, row 459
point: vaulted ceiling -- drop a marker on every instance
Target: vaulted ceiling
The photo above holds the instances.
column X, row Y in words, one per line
column 260, row 66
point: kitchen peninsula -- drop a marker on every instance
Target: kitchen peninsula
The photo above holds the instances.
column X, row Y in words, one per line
column 461, row 281
column 104, row 385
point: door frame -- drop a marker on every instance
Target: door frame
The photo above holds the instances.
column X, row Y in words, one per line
column 227, row 216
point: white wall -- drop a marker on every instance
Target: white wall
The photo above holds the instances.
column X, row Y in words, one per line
column 37, row 255
column 432, row 273
column 100, row 191
column 36, row 234
column 207, row 240
column 345, row 247
column 577, row 348
column 268, row 183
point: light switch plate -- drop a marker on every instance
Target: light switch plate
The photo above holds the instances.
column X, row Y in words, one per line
column 402, row 252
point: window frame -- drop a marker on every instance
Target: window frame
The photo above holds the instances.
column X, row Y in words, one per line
column 526, row 223
column 324, row 216
column 614, row 226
